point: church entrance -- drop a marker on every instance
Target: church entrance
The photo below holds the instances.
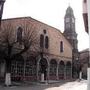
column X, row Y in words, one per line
column 43, row 69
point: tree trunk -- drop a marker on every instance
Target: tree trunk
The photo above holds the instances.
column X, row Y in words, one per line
column 80, row 75
column 8, row 72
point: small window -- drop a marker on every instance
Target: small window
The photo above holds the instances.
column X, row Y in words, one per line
column 19, row 35
column 44, row 31
column 46, row 42
column 41, row 41
column 61, row 46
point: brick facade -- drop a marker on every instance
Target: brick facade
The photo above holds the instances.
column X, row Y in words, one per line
column 52, row 56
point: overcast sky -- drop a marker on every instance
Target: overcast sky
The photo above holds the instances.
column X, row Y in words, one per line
column 51, row 12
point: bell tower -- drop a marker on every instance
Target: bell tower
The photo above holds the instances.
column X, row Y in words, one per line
column 71, row 35
column 69, row 25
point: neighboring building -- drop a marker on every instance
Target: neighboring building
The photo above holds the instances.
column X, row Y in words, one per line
column 53, row 57
column 71, row 35
column 85, row 15
column 84, row 60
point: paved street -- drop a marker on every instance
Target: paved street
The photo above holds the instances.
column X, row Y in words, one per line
column 75, row 85
column 33, row 87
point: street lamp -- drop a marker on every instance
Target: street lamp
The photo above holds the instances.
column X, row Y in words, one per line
column 1, row 9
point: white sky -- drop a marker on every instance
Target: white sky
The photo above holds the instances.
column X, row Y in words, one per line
column 50, row 12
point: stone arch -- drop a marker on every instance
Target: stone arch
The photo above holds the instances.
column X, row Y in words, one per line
column 43, row 63
column 17, row 68
column 53, row 69
column 30, row 68
column 39, row 58
column 68, row 70
column 38, row 66
column 43, row 68
column 61, row 69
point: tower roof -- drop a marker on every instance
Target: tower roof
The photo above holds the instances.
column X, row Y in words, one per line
column 69, row 11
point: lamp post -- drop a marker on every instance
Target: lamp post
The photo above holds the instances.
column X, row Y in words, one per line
column 78, row 67
column 1, row 9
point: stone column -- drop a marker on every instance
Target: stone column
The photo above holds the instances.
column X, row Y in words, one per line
column 42, row 77
column 65, row 71
column 57, row 72
column 48, row 72
column 24, row 69
column 71, row 71
column 37, row 71
column 80, row 75
column 8, row 79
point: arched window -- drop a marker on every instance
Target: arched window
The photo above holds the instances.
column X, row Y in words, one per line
column 68, row 70
column 19, row 34
column 53, row 69
column 17, row 67
column 61, row 46
column 46, row 42
column 61, row 70
column 41, row 41
column 30, row 66
column 44, row 31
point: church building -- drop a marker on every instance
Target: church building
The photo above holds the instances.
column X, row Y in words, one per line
column 51, row 54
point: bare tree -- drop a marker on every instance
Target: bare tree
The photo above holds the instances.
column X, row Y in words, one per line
column 9, row 44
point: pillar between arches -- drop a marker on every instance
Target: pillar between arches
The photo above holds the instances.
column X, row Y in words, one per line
column 48, row 72
column 65, row 71
column 57, row 72
column 37, row 71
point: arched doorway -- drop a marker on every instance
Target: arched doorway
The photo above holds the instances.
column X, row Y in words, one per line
column 43, row 66
column 53, row 69
column 68, row 70
column 61, row 70
column 17, row 68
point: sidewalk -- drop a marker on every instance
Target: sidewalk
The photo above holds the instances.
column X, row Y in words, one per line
column 28, row 83
column 72, row 85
